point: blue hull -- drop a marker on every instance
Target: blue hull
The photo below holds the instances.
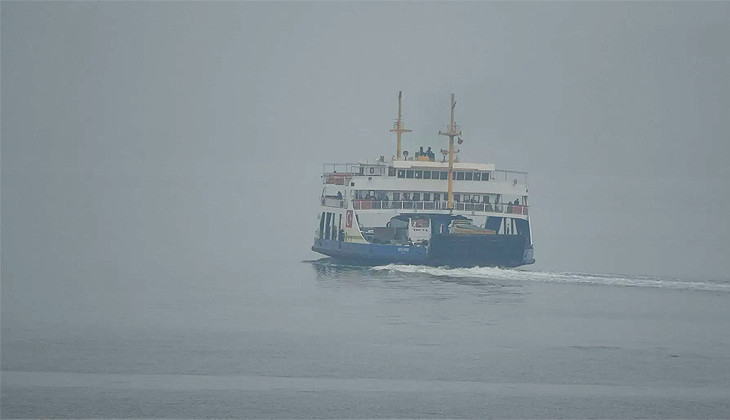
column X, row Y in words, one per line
column 451, row 250
column 371, row 253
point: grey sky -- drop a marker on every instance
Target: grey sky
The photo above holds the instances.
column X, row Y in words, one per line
column 143, row 139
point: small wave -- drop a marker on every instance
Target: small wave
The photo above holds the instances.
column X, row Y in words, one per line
column 501, row 274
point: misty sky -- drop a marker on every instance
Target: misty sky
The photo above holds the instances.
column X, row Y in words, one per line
column 146, row 139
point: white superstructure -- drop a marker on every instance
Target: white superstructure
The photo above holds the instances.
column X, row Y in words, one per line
column 378, row 190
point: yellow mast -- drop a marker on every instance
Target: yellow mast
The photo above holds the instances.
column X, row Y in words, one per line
column 398, row 126
column 451, row 133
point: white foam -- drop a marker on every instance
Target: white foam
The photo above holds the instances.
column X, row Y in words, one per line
column 493, row 273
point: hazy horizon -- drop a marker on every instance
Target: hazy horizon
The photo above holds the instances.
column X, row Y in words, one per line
column 146, row 138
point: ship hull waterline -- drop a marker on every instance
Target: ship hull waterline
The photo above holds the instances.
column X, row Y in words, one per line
column 507, row 251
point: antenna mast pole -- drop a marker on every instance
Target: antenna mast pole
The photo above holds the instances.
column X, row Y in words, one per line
column 453, row 132
column 398, row 126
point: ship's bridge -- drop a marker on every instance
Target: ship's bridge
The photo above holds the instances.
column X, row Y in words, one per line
column 343, row 173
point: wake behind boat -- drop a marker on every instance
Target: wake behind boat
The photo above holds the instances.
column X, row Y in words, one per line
column 415, row 210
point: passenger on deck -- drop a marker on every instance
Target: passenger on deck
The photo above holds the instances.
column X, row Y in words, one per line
column 488, row 204
column 421, row 152
column 430, row 154
column 509, row 207
column 339, row 195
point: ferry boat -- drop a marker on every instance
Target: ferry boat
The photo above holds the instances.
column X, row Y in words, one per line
column 416, row 209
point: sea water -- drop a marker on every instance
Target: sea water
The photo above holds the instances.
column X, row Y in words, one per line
column 317, row 339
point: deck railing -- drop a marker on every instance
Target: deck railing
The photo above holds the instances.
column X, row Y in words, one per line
column 339, row 173
column 437, row 205
column 509, row 176
column 337, row 179
column 333, row 202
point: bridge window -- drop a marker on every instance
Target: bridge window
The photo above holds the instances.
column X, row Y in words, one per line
column 391, row 171
column 436, row 197
column 401, row 173
column 426, row 174
column 444, row 175
column 426, row 196
column 460, row 176
column 468, row 176
column 467, row 198
column 372, row 170
column 416, row 196
column 419, row 174
column 406, row 197
column 396, row 196
column 457, row 197
column 485, row 176
column 477, row 176
column 409, row 173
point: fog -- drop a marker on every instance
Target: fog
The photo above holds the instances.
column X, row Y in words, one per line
column 149, row 140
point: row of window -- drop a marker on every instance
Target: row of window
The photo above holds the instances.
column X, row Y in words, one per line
column 441, row 175
column 425, row 196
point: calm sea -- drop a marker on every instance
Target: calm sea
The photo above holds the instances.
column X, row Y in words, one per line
column 316, row 339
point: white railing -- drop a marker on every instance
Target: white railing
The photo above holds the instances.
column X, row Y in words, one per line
column 337, row 179
column 339, row 173
column 329, row 168
column 439, row 205
column 333, row 202
column 509, row 176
